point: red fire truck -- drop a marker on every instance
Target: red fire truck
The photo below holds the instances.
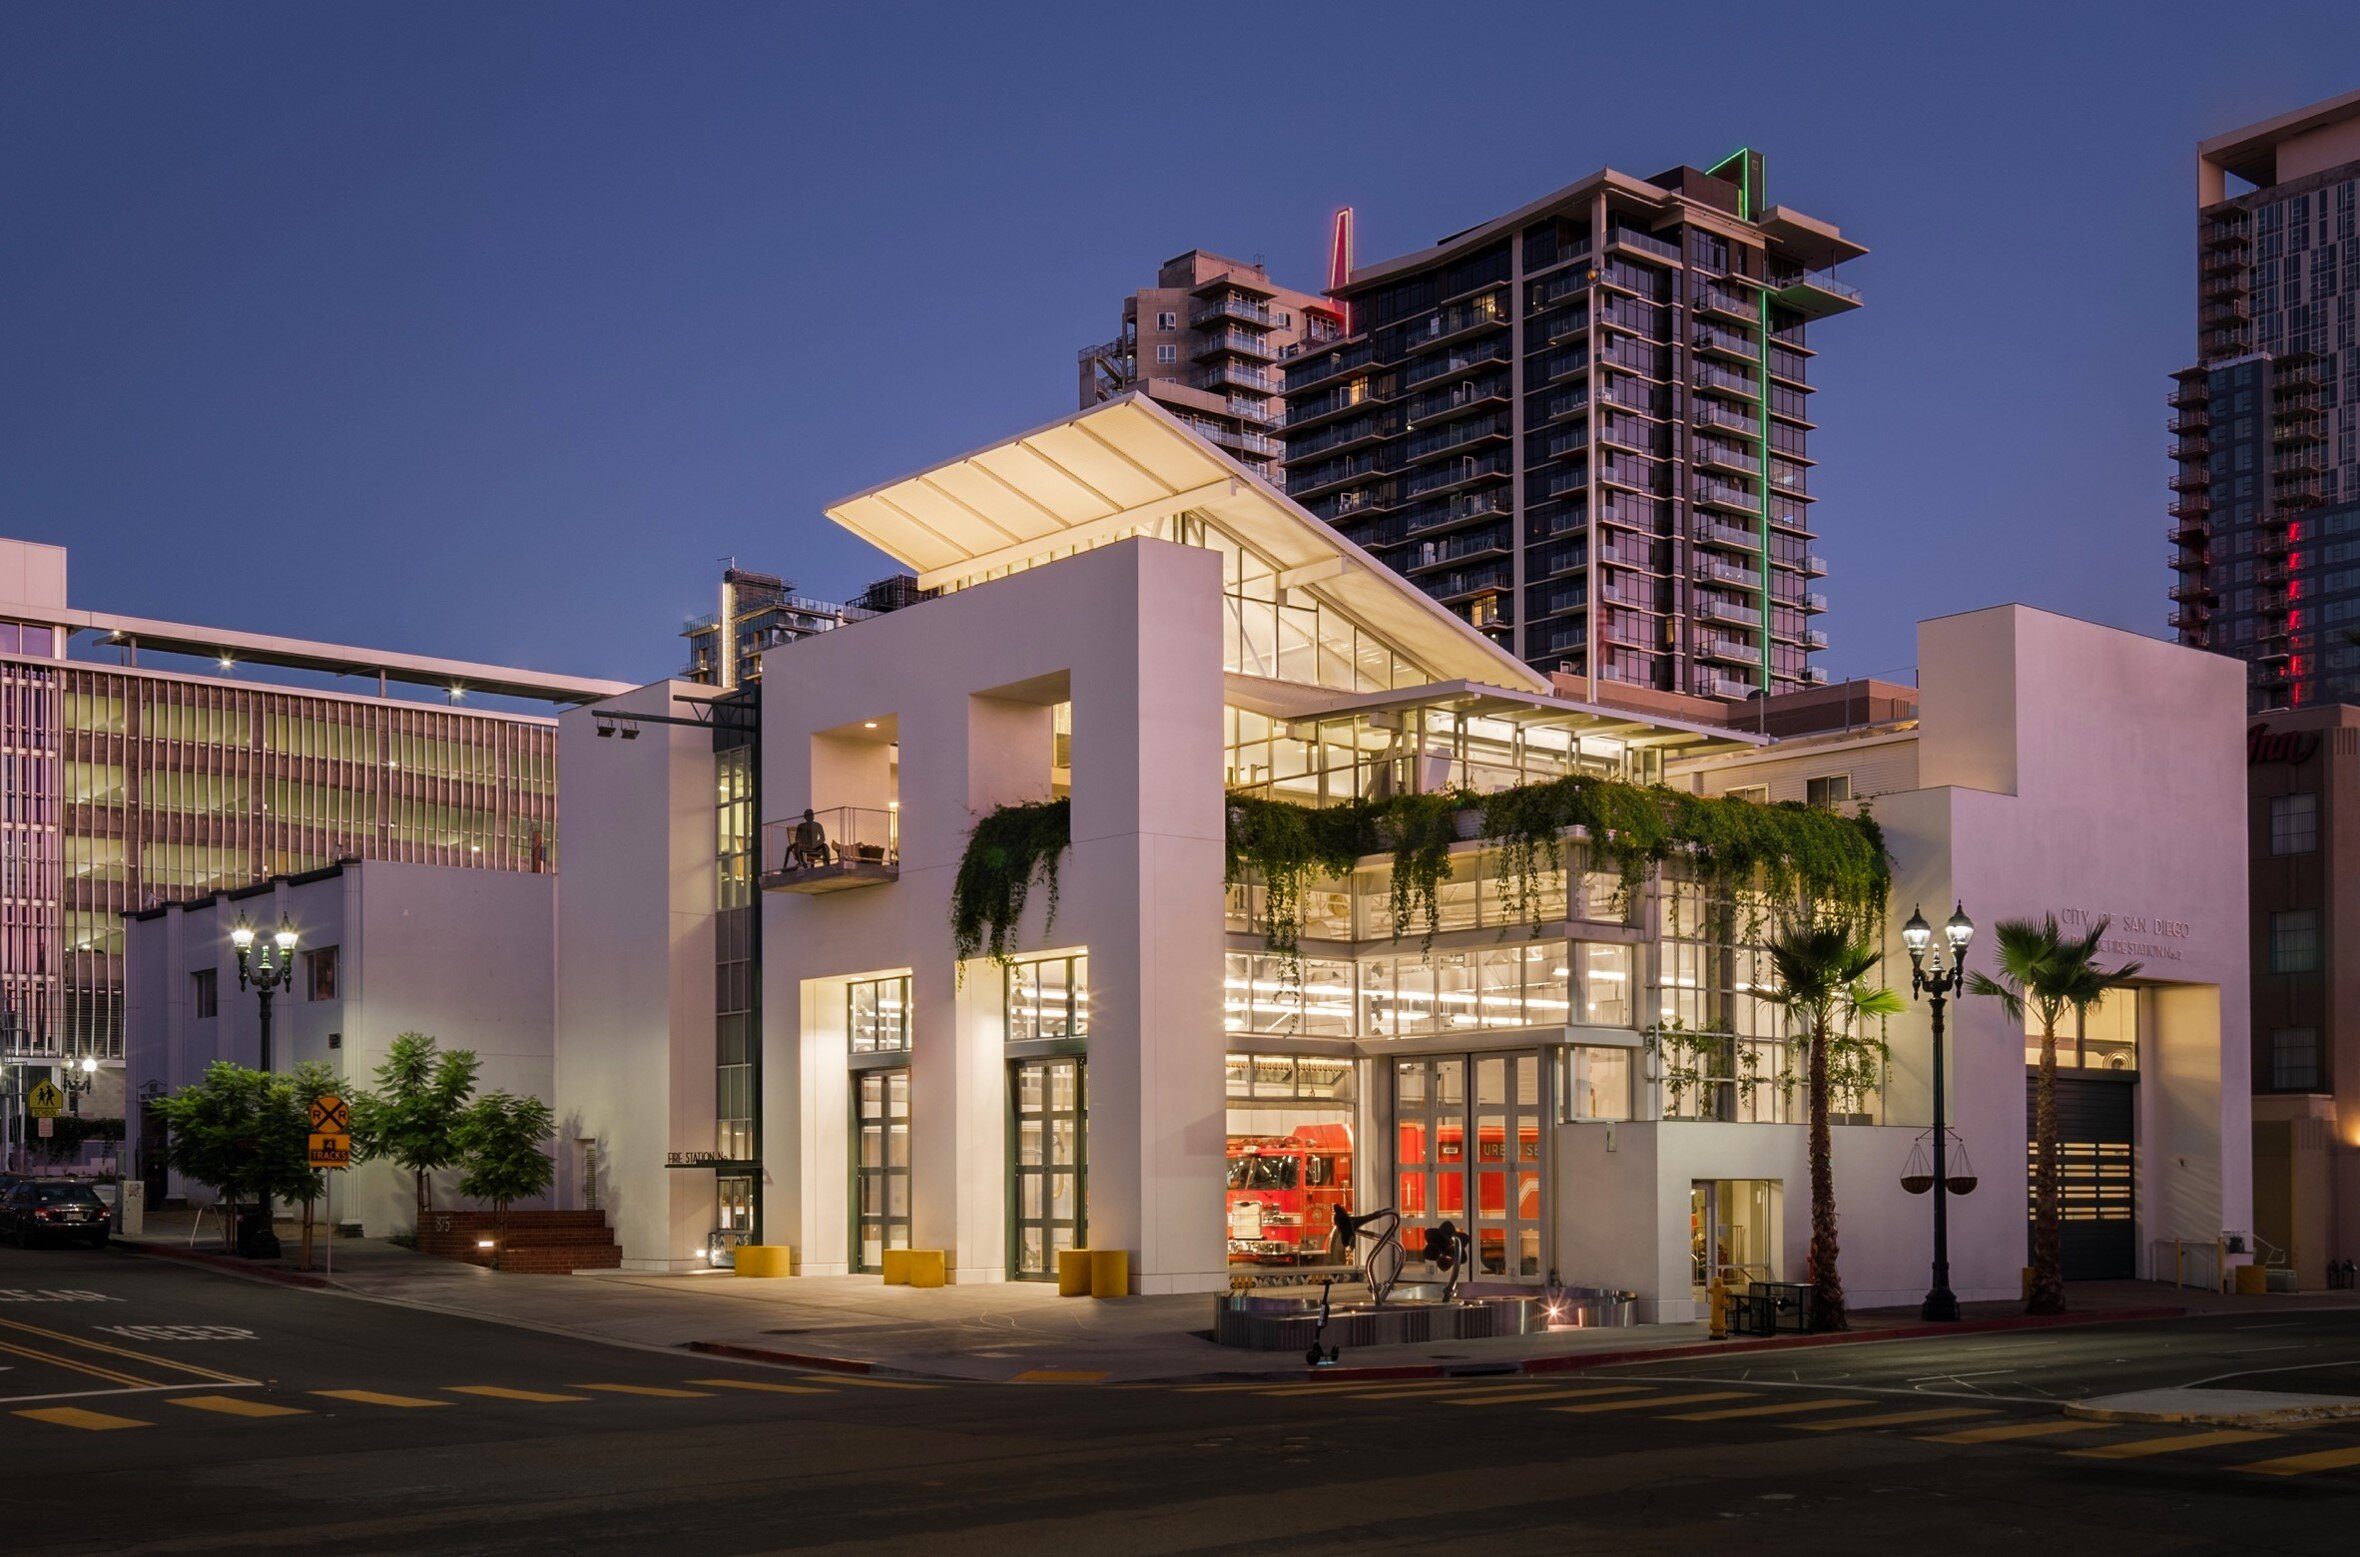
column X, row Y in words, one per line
column 1282, row 1191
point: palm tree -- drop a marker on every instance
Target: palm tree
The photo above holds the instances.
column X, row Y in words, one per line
column 1823, row 986
column 2048, row 973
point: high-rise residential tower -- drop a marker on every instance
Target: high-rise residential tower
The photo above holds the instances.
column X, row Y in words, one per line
column 1206, row 341
column 1582, row 426
column 2266, row 519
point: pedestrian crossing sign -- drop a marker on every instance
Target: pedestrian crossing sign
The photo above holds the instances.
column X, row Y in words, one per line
column 45, row 1101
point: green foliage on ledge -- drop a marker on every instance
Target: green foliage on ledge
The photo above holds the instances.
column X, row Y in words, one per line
column 1008, row 849
column 1791, row 852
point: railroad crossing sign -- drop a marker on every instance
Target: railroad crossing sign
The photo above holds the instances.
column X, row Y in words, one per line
column 45, row 1101
column 330, row 1114
column 331, row 1132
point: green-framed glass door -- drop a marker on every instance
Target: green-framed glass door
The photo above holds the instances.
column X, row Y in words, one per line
column 880, row 1165
column 1049, row 1164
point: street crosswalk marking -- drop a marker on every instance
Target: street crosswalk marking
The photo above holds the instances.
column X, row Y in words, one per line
column 2140, row 1448
column 1650, row 1403
column 763, row 1384
column 502, row 1392
column 1524, row 1396
column 88, row 1421
column 865, row 1382
column 232, row 1405
column 654, row 1390
column 370, row 1397
column 1060, row 1376
column 2006, row 1431
column 1892, row 1419
column 1457, row 1389
column 2304, row 1464
column 1776, row 1408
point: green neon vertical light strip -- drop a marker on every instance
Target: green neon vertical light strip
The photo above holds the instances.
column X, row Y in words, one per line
column 1751, row 209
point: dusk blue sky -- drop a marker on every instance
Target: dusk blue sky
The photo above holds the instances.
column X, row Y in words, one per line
column 485, row 330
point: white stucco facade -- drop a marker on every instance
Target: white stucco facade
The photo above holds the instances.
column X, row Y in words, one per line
column 465, row 956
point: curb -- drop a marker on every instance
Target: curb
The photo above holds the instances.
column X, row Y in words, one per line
column 228, row 1265
column 1526, row 1367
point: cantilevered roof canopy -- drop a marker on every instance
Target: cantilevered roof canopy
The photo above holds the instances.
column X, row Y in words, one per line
column 1115, row 471
column 1678, row 737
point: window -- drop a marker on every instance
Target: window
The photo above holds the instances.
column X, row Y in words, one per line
column 2294, row 941
column 878, row 1015
column 1833, row 790
column 1049, row 997
column 2294, row 1059
column 1759, row 794
column 2294, row 824
column 1167, row 320
column 204, row 994
column 1167, row 354
column 1597, row 1082
column 319, row 973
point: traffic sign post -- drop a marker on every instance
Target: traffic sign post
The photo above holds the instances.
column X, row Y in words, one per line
column 330, row 1115
column 329, row 1149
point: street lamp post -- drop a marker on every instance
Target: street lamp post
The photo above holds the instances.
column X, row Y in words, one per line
column 81, row 1075
column 259, row 973
column 1937, row 984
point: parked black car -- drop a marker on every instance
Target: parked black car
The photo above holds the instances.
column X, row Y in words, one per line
column 52, row 1208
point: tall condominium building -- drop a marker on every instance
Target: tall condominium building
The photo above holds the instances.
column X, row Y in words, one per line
column 2266, row 518
column 127, row 785
column 1206, row 340
column 763, row 611
column 1582, row 426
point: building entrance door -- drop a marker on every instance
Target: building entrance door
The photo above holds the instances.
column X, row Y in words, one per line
column 2097, row 1186
column 1049, row 1098
column 880, row 1165
column 1472, row 1155
column 1734, row 1232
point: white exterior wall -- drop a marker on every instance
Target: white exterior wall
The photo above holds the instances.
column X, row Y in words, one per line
column 463, row 955
column 635, row 975
column 1131, row 633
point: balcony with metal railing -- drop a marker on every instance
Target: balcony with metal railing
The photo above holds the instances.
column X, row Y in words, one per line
column 1631, row 238
column 1242, row 309
column 1455, row 473
column 1459, row 360
column 1718, row 380
column 1238, row 343
column 1303, row 372
column 1720, row 494
column 1719, row 571
column 1735, row 613
column 832, row 848
column 1713, row 414
column 1817, row 293
column 1234, row 375
column 1716, row 456
column 1726, row 343
column 1715, row 534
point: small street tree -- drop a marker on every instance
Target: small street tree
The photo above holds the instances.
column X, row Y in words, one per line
column 243, row 1134
column 412, row 1116
column 1823, row 986
column 2046, row 972
column 501, row 1158
column 312, row 1081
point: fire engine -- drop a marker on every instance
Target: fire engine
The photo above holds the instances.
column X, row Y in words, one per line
column 1283, row 1190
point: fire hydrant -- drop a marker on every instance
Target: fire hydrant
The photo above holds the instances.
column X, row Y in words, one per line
column 1720, row 1310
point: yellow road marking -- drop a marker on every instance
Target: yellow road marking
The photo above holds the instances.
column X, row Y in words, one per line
column 2292, row 1465
column 87, row 1369
column 1513, row 1397
column 370, row 1397
column 655, row 1390
column 1058, row 1376
column 2139, row 1449
column 1465, row 1389
column 776, row 1389
column 88, row 1421
column 501, row 1392
column 1893, row 1419
column 21, row 1327
column 231, row 1405
column 1667, row 1400
column 866, row 1382
column 1778, row 1408
column 2007, row 1430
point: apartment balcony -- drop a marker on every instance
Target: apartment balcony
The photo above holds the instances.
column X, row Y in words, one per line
column 1715, row 494
column 1469, row 435
column 2194, row 478
column 1439, row 554
column 840, row 848
column 1642, row 243
column 1817, row 293
column 1814, row 565
column 1457, row 510
column 1459, row 321
column 1239, row 440
column 2222, row 283
column 2192, row 561
column 1714, row 300
column 2228, row 311
column 2195, row 420
column 1238, row 343
column 1711, row 378
column 2183, row 593
column 1712, row 414
column 1368, row 500
column 2272, row 605
column 2193, row 393
column 1305, row 371
column 1307, row 480
column 1814, row 639
column 2191, row 619
column 1714, row 684
column 1341, row 402
column 1342, row 439
column 1712, row 569
column 1728, row 535
column 1711, row 456
column 1732, row 651
column 2194, row 506
column 1449, row 476
column 1256, row 409
column 1723, row 343
column 1234, row 375
column 1463, row 360
column 2225, row 237
column 2273, row 539
column 1244, row 310
column 1816, row 605
column 1730, row 612
column 2195, row 448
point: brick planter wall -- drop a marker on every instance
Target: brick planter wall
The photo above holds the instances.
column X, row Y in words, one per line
column 539, row 1243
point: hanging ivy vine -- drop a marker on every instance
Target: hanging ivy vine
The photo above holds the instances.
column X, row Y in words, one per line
column 1007, row 851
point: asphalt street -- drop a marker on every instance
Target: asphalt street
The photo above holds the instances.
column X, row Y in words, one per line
column 147, row 1407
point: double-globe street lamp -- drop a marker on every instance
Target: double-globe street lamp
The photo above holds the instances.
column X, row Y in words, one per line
column 260, row 974
column 1938, row 983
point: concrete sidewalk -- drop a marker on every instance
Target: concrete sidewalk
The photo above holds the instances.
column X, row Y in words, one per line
column 1023, row 1332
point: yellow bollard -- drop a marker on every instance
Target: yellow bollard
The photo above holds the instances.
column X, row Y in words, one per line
column 1110, row 1273
column 1720, row 1311
column 764, row 1259
column 928, row 1268
column 894, row 1266
column 1073, row 1273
